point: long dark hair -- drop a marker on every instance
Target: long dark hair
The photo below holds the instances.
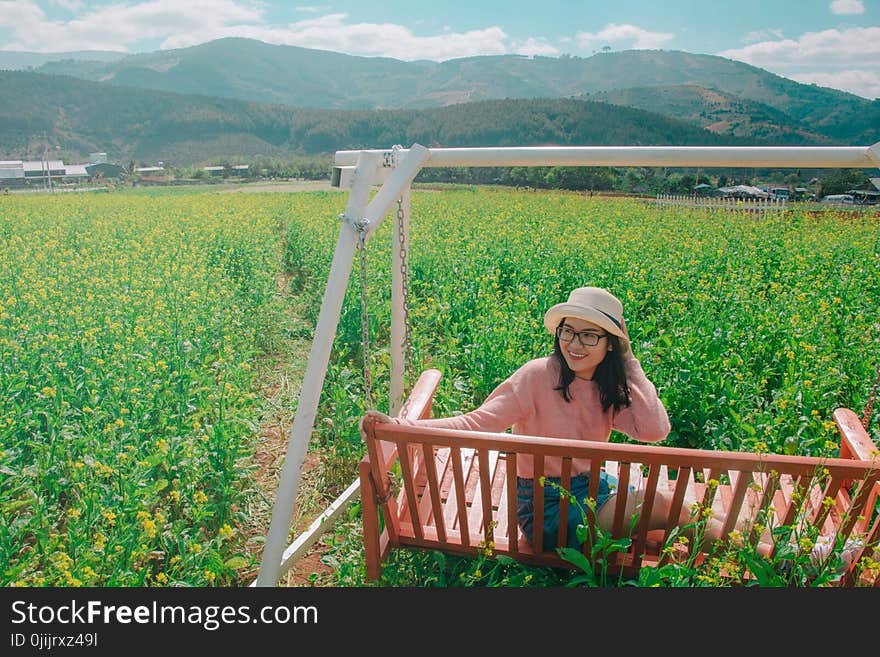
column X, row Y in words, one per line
column 609, row 375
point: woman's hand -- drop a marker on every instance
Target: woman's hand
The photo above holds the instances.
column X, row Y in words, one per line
column 380, row 417
column 376, row 416
column 626, row 352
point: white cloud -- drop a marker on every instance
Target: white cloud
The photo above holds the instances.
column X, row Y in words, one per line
column 118, row 26
column 829, row 47
column 20, row 12
column 850, row 55
column 534, row 46
column 333, row 32
column 761, row 35
column 69, row 5
column 847, row 7
column 861, row 83
column 623, row 36
column 176, row 24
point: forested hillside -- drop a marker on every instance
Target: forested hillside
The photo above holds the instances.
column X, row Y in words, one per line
column 75, row 117
column 250, row 70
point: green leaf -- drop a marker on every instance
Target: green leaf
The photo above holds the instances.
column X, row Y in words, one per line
column 236, row 562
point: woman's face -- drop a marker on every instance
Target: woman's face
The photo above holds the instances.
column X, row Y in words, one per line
column 583, row 359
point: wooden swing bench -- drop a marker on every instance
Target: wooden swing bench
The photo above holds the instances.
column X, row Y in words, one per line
column 456, row 495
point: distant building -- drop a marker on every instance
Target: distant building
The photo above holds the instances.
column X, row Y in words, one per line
column 864, row 196
column 780, row 192
column 105, row 171
column 743, row 191
column 43, row 169
column 155, row 174
column 216, row 170
column 97, row 158
column 75, row 173
column 838, row 199
column 11, row 173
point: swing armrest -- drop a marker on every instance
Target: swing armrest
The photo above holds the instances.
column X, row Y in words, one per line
column 418, row 405
column 854, row 440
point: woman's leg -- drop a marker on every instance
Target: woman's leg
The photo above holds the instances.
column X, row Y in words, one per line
column 660, row 513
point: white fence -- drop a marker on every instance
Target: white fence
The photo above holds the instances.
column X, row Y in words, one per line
column 746, row 206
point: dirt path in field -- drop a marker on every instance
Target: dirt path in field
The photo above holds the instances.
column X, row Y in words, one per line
column 282, row 376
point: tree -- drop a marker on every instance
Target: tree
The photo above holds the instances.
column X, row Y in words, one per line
column 842, row 180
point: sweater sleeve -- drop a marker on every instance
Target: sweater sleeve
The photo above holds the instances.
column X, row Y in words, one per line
column 501, row 410
column 645, row 419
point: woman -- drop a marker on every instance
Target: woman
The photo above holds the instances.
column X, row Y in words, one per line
column 590, row 385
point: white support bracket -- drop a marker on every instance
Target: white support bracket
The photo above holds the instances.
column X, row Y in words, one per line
column 342, row 176
column 321, row 524
column 365, row 173
column 874, row 154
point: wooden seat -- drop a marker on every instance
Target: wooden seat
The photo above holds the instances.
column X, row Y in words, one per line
column 456, row 494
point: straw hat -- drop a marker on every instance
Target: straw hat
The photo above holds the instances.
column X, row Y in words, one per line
column 592, row 304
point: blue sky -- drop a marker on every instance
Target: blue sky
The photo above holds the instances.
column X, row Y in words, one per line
column 833, row 43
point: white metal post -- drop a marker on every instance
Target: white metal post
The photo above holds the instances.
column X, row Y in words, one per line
column 400, row 249
column 313, row 381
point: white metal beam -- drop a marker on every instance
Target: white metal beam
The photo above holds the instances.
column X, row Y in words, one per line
column 817, row 157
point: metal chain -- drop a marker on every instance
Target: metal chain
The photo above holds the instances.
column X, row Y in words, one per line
column 365, row 323
column 869, row 406
column 404, row 278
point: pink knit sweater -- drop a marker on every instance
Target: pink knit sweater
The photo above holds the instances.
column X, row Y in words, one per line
column 527, row 404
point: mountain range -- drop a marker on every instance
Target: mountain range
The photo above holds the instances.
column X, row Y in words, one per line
column 250, row 96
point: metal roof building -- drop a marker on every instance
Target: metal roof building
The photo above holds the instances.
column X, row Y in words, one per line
column 39, row 168
column 11, row 170
column 76, row 171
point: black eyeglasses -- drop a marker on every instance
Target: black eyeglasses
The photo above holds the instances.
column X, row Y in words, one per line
column 586, row 338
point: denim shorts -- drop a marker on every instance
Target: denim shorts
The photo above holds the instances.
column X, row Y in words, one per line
column 580, row 488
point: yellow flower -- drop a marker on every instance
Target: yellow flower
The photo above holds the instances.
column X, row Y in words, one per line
column 226, row 531
column 149, row 527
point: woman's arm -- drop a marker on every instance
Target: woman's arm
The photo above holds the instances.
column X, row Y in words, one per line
column 499, row 412
column 645, row 419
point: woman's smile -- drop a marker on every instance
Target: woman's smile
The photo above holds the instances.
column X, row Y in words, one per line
column 582, row 359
